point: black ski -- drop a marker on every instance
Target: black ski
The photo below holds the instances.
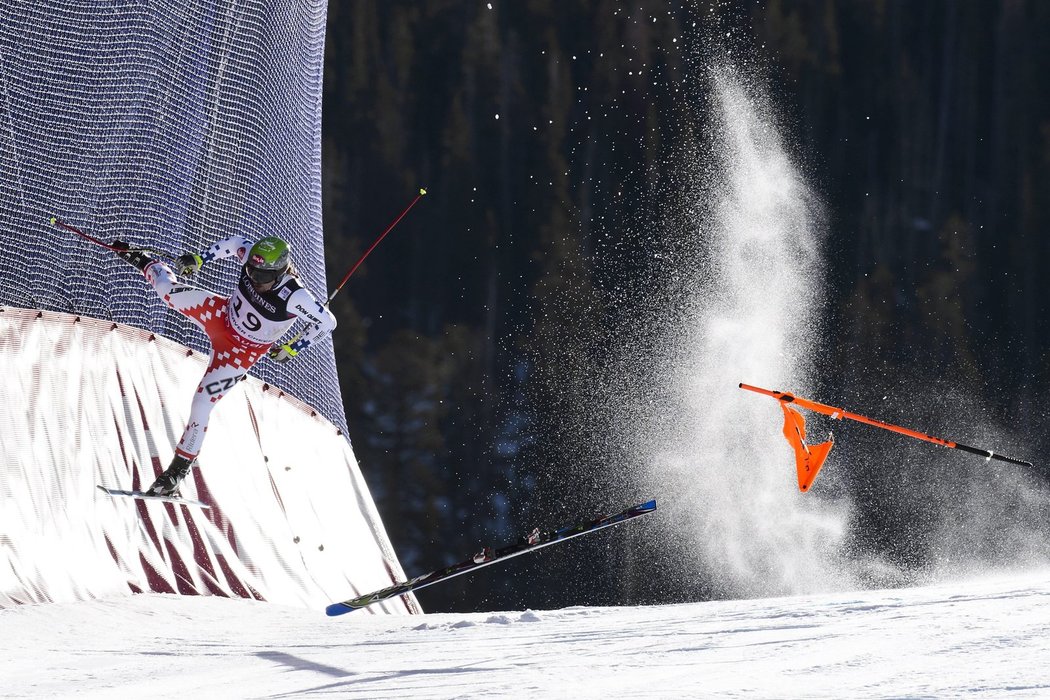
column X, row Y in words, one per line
column 488, row 556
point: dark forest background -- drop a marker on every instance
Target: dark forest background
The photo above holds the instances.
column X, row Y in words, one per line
column 538, row 128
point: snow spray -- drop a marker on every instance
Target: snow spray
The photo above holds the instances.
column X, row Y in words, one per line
column 753, row 300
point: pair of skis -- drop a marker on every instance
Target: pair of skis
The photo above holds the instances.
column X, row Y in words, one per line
column 486, row 557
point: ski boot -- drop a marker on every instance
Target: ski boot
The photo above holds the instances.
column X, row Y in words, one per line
column 167, row 484
column 134, row 256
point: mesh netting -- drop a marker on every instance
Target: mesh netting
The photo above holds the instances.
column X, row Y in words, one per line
column 172, row 124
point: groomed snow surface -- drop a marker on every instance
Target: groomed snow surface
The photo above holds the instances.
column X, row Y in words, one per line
column 987, row 638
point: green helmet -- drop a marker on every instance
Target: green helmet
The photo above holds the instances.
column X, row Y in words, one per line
column 268, row 260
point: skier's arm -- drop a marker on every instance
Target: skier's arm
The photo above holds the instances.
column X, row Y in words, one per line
column 319, row 322
column 234, row 246
column 189, row 264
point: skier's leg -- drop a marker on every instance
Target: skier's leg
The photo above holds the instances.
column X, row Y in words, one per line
column 231, row 358
column 217, row 381
column 204, row 308
column 200, row 305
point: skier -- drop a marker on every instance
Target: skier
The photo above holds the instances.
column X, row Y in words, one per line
column 267, row 301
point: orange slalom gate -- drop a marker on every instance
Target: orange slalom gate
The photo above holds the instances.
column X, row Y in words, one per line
column 809, row 459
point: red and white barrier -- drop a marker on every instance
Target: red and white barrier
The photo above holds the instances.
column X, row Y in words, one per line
column 86, row 402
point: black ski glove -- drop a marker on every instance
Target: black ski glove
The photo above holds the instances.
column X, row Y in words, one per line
column 188, row 264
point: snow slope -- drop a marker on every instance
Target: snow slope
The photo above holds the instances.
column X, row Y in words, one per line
column 988, row 638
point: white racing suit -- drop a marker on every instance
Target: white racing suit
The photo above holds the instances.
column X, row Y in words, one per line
column 242, row 328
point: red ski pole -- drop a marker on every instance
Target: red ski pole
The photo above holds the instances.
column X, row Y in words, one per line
column 55, row 221
column 422, row 191
column 372, row 247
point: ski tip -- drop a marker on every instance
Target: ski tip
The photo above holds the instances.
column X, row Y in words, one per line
column 643, row 507
column 53, row 220
column 337, row 609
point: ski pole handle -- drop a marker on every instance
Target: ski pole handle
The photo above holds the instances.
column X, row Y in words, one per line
column 275, row 349
column 988, row 454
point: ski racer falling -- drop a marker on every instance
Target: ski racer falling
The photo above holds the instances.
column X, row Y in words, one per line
column 266, row 302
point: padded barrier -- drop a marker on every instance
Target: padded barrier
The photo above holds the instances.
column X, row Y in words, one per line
column 86, row 402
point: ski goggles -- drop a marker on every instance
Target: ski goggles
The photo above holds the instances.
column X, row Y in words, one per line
column 259, row 276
